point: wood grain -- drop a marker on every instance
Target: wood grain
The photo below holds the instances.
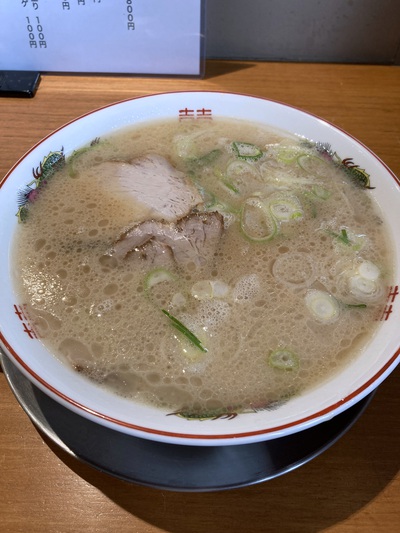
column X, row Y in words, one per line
column 352, row 487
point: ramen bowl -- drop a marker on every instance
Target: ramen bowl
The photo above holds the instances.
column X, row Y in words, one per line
column 72, row 390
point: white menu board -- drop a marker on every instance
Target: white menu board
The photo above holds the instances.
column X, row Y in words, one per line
column 160, row 37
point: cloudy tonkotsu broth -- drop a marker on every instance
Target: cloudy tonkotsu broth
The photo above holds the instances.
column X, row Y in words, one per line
column 295, row 288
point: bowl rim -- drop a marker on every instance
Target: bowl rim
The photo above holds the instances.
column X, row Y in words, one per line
column 192, row 437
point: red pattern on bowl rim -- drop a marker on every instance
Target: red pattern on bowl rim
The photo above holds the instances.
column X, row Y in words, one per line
column 193, row 106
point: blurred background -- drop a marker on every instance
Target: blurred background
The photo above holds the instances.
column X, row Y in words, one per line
column 332, row 31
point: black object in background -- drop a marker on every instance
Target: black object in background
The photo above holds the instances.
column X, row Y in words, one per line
column 19, row 83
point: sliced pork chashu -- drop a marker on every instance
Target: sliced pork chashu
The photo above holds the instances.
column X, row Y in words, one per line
column 191, row 242
column 158, row 190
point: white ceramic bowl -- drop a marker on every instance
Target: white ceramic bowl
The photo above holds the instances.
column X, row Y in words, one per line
column 73, row 391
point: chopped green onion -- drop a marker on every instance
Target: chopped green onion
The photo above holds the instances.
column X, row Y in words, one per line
column 246, row 151
column 256, row 221
column 287, row 154
column 282, row 178
column 72, row 172
column 230, row 186
column 283, row 359
column 212, row 203
column 208, row 197
column 316, row 193
column 313, row 165
column 322, row 305
column 206, row 159
column 207, row 289
column 342, row 236
column 285, row 208
column 364, row 288
column 320, row 192
column 241, row 172
column 185, row 331
column 186, row 145
column 239, row 175
column 156, row 276
column 364, row 282
column 210, row 157
column 348, row 238
column 369, row 270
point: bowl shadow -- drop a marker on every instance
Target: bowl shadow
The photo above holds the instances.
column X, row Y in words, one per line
column 216, row 68
column 323, row 492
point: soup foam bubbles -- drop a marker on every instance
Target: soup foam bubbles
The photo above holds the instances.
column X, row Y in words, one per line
column 94, row 310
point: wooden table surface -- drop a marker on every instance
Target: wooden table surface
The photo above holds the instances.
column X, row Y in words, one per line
column 354, row 486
